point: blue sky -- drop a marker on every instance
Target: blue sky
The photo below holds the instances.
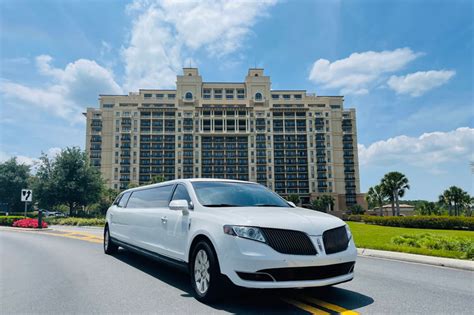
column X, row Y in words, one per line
column 406, row 66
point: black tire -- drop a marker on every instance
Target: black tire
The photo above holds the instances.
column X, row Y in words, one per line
column 216, row 279
column 110, row 247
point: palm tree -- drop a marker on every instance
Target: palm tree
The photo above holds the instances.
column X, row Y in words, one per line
column 376, row 197
column 395, row 184
column 455, row 199
column 293, row 198
column 328, row 202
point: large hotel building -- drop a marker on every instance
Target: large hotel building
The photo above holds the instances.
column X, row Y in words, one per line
column 292, row 141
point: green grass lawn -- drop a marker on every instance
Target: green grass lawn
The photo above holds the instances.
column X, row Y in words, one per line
column 380, row 237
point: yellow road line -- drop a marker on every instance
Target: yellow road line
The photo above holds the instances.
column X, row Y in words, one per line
column 329, row 306
column 83, row 236
column 305, row 307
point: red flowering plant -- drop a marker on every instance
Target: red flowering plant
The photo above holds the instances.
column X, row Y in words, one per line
column 29, row 223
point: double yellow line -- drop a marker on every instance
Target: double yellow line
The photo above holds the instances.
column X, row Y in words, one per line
column 317, row 306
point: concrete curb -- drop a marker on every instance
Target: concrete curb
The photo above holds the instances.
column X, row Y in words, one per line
column 421, row 259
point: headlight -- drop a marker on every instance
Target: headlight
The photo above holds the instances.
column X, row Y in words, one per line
column 348, row 231
column 249, row 232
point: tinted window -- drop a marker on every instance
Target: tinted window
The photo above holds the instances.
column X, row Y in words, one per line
column 150, row 198
column 123, row 200
column 231, row 194
column 181, row 193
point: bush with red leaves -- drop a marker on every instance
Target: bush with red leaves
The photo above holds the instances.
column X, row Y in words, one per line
column 29, row 223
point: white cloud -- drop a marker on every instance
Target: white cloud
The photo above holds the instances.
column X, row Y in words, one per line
column 165, row 33
column 418, row 83
column 358, row 72
column 27, row 160
column 68, row 91
column 427, row 151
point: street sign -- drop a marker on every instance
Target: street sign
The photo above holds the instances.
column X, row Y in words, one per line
column 26, row 195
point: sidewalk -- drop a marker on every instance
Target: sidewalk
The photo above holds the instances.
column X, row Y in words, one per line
column 421, row 259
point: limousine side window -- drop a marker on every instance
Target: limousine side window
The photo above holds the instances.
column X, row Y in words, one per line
column 157, row 197
column 181, row 193
column 123, row 201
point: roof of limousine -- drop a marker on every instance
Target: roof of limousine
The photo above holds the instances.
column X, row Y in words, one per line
column 189, row 180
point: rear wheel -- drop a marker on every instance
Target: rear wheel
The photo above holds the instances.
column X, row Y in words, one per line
column 206, row 278
column 109, row 246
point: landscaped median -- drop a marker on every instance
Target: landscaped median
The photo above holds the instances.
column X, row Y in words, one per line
column 77, row 221
column 20, row 221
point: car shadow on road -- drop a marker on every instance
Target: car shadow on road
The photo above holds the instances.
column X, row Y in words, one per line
column 246, row 301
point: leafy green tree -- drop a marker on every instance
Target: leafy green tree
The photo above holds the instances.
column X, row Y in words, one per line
column 357, row 209
column 323, row 203
column 318, row 205
column 43, row 184
column 455, row 199
column 155, row 179
column 107, row 197
column 395, row 184
column 376, row 197
column 69, row 179
column 427, row 208
column 13, row 178
column 132, row 185
column 293, row 198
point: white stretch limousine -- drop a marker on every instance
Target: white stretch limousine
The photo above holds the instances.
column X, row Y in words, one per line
column 225, row 229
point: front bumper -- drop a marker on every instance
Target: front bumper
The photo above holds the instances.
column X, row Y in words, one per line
column 253, row 264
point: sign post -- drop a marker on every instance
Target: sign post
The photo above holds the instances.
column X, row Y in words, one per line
column 26, row 196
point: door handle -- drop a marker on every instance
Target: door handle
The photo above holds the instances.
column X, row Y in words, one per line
column 164, row 219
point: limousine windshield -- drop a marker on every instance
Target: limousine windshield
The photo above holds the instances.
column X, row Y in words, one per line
column 231, row 194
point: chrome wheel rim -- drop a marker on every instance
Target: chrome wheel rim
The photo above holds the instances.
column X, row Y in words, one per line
column 106, row 240
column 201, row 271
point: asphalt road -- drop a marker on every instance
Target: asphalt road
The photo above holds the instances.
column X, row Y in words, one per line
column 65, row 273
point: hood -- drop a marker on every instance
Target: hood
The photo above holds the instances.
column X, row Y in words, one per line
column 309, row 221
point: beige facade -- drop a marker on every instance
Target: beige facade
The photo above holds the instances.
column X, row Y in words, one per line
column 289, row 140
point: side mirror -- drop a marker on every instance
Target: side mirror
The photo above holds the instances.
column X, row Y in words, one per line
column 291, row 203
column 179, row 205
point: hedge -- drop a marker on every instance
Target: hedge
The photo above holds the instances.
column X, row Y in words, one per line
column 77, row 221
column 8, row 220
column 421, row 222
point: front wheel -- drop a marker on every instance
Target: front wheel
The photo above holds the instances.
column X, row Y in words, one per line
column 206, row 278
column 110, row 247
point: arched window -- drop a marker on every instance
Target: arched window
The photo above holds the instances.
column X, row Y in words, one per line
column 258, row 96
column 188, row 96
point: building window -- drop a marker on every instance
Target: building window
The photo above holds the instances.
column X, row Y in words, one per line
column 258, row 96
column 188, row 96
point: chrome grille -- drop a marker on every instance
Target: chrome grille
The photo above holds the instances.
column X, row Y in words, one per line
column 289, row 241
column 335, row 240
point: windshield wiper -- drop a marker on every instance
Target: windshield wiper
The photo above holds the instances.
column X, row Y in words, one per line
column 268, row 205
column 221, row 205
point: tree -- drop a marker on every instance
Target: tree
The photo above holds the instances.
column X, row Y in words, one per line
column 107, row 197
column 13, row 178
column 323, row 203
column 43, row 184
column 318, row 205
column 356, row 209
column 428, row 208
column 376, row 197
column 69, row 179
column 395, row 184
column 455, row 199
column 293, row 198
column 157, row 179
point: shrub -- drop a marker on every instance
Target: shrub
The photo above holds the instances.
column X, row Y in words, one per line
column 78, row 221
column 437, row 242
column 8, row 220
column 29, row 223
column 421, row 222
